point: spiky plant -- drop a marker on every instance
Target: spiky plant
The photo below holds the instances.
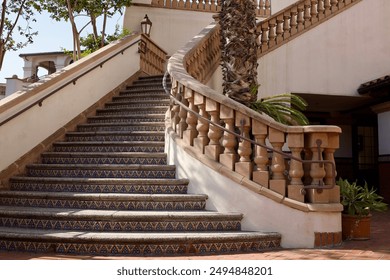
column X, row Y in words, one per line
column 284, row 108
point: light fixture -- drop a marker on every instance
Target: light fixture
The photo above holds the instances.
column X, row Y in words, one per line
column 146, row 25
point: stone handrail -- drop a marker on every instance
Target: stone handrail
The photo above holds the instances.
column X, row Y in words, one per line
column 296, row 19
column 268, row 169
column 263, row 7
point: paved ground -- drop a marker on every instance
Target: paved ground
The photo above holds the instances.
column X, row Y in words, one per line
column 377, row 248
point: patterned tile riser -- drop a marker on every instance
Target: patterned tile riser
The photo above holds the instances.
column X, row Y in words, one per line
column 168, row 226
column 114, row 138
column 124, row 120
column 141, row 249
column 127, row 128
column 104, row 205
column 129, row 112
column 87, row 188
column 100, row 160
column 108, row 149
column 82, row 173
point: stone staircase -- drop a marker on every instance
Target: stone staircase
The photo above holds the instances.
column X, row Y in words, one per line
column 107, row 190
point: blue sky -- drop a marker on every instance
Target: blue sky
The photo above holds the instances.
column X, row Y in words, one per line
column 52, row 36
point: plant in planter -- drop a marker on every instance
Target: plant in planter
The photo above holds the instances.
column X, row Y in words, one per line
column 358, row 202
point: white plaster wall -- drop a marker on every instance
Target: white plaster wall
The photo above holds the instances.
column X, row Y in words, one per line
column 277, row 5
column 260, row 213
column 384, row 133
column 21, row 134
column 171, row 28
column 333, row 58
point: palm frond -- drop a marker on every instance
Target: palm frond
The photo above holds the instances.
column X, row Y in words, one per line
column 284, row 108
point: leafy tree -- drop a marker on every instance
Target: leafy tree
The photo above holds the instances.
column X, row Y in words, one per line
column 16, row 16
column 70, row 10
column 91, row 43
column 239, row 38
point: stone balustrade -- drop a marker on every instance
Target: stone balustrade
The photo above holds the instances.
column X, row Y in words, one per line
column 263, row 7
column 296, row 19
column 152, row 58
column 288, row 159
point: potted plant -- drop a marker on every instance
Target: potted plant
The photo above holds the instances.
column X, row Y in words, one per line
column 358, row 202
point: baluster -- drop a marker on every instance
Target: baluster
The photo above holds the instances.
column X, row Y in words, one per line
column 316, row 143
column 245, row 164
column 301, row 20
column 182, row 114
column 207, row 6
column 296, row 144
column 181, row 4
column 333, row 144
column 293, row 21
column 327, row 7
column 268, row 7
column 347, row 2
column 175, row 108
column 334, row 5
column 194, row 5
column 341, row 4
column 277, row 182
column 174, row 4
column 261, row 8
column 264, row 36
column 192, row 120
column 286, row 26
column 203, row 126
column 260, row 170
column 229, row 141
column 214, row 148
column 314, row 11
column 307, row 15
column 321, row 9
column 272, row 33
column 279, row 29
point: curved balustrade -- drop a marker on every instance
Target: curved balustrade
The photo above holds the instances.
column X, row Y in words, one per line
column 296, row 19
column 263, row 7
column 309, row 146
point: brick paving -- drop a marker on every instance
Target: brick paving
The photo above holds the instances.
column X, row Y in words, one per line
column 377, row 248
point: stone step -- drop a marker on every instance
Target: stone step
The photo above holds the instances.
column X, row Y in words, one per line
column 140, row 104
column 151, row 118
column 99, row 185
column 101, row 171
column 104, row 201
column 139, row 98
column 104, row 158
column 131, row 111
column 112, row 220
column 115, row 136
column 144, row 126
column 136, row 243
column 110, row 147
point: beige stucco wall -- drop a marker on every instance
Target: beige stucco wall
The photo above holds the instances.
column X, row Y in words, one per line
column 171, row 29
column 334, row 57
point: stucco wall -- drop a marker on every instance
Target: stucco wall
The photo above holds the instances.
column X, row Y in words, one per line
column 171, row 29
column 334, row 57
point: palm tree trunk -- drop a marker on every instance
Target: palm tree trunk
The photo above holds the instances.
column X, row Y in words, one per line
column 239, row 50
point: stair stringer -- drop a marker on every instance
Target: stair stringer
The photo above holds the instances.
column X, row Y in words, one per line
column 262, row 208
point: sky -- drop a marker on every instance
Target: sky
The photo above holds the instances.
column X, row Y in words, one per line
column 52, row 36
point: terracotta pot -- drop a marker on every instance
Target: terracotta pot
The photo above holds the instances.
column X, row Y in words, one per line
column 356, row 227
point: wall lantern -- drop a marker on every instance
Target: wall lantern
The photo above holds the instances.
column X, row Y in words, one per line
column 146, row 25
